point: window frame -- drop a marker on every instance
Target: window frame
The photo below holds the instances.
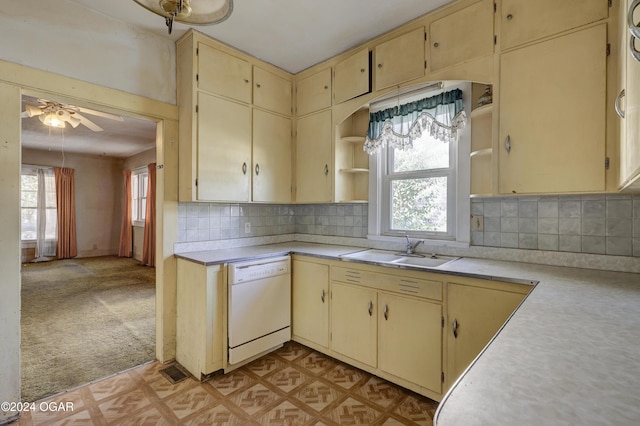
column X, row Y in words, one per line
column 30, row 170
column 458, row 190
column 137, row 203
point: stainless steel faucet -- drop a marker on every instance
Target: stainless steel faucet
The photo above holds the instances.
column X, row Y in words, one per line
column 412, row 246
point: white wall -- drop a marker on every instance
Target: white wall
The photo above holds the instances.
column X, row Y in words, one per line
column 99, row 194
column 66, row 38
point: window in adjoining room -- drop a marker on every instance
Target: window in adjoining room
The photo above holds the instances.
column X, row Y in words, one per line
column 139, row 185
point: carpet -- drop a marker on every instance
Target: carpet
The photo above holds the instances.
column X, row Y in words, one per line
column 82, row 320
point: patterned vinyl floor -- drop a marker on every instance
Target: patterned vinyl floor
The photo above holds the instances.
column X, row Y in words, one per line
column 291, row 386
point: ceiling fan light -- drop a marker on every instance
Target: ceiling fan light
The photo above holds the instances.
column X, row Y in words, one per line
column 51, row 119
column 32, row 111
column 195, row 12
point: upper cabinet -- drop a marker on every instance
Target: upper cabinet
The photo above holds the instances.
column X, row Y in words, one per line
column 271, row 91
column 352, row 76
column 223, row 74
column 523, row 21
column 313, row 158
column 400, row 59
column 449, row 45
column 553, row 115
column 313, row 93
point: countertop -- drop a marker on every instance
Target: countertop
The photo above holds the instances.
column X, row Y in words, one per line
column 569, row 355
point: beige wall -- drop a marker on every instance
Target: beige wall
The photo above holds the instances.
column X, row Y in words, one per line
column 141, row 159
column 99, row 194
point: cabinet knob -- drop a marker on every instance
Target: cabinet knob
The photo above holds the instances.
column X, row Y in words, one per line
column 257, row 169
column 370, row 308
column 379, row 65
column 326, row 87
column 616, row 105
column 633, row 28
column 635, row 53
column 258, row 85
column 326, row 169
column 455, row 328
column 385, row 311
column 509, row 17
column 507, row 144
column 322, row 295
column 246, row 81
column 244, row 168
column 436, row 44
column 361, row 69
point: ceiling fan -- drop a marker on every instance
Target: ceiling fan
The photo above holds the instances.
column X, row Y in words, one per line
column 55, row 114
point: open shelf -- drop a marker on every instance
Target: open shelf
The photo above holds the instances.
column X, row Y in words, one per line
column 354, row 170
column 353, row 139
column 351, row 162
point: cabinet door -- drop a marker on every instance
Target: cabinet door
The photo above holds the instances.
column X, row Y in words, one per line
column 313, row 158
column 449, row 45
column 271, row 157
column 313, row 93
column 352, row 76
column 223, row 74
column 271, row 91
column 224, row 149
column 311, row 302
column 411, row 352
column 525, row 20
column 400, row 59
column 630, row 149
column 477, row 314
column 354, row 322
column 553, row 115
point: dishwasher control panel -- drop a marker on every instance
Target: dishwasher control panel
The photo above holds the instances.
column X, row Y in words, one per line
column 258, row 269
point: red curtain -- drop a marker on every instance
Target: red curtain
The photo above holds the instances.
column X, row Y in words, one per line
column 126, row 232
column 65, row 197
column 149, row 242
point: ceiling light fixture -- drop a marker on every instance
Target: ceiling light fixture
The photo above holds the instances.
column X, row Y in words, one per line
column 195, row 12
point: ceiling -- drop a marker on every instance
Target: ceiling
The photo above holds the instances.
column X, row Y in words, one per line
column 291, row 34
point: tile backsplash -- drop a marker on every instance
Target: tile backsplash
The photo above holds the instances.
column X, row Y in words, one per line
column 222, row 221
column 597, row 224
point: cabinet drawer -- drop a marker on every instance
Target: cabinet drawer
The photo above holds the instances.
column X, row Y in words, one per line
column 400, row 283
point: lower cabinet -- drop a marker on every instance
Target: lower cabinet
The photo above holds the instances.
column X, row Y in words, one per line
column 310, row 299
column 199, row 317
column 476, row 309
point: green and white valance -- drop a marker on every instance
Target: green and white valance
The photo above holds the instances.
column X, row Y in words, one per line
column 441, row 115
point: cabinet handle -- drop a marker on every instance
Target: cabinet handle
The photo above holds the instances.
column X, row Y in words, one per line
column 455, row 328
column 386, row 312
column 616, row 105
column 244, row 168
column 633, row 28
column 379, row 65
column 632, row 48
column 436, row 44
column 507, row 144
column 326, row 87
column 370, row 308
column 361, row 69
column 258, row 85
column 246, row 81
column 509, row 17
column 257, row 169
column 322, row 295
column 326, row 170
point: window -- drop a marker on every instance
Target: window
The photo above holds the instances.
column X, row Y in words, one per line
column 421, row 192
column 139, row 185
column 30, row 188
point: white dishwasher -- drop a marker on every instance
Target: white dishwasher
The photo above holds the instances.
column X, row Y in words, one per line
column 259, row 306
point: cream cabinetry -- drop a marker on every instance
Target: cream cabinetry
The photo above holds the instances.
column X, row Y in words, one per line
column 271, row 92
column 461, row 36
column 224, row 149
column 406, row 350
column 523, row 21
column 476, row 310
column 400, row 59
column 199, row 317
column 354, row 329
column 223, row 74
column 271, row 157
column 235, row 139
column 629, row 101
column 313, row 93
column 310, row 299
column 313, row 158
column 352, row 76
column 552, row 115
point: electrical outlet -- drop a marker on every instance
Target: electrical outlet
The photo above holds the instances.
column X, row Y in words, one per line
column 477, row 223
column 247, row 227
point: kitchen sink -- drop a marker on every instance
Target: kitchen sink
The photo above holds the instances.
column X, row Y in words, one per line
column 381, row 256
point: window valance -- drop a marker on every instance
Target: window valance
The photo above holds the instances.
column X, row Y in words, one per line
column 441, row 115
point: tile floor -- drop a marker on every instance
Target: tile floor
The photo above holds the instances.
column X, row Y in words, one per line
column 291, row 386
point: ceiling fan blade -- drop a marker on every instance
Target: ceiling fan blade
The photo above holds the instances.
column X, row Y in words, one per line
column 99, row 113
column 86, row 122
